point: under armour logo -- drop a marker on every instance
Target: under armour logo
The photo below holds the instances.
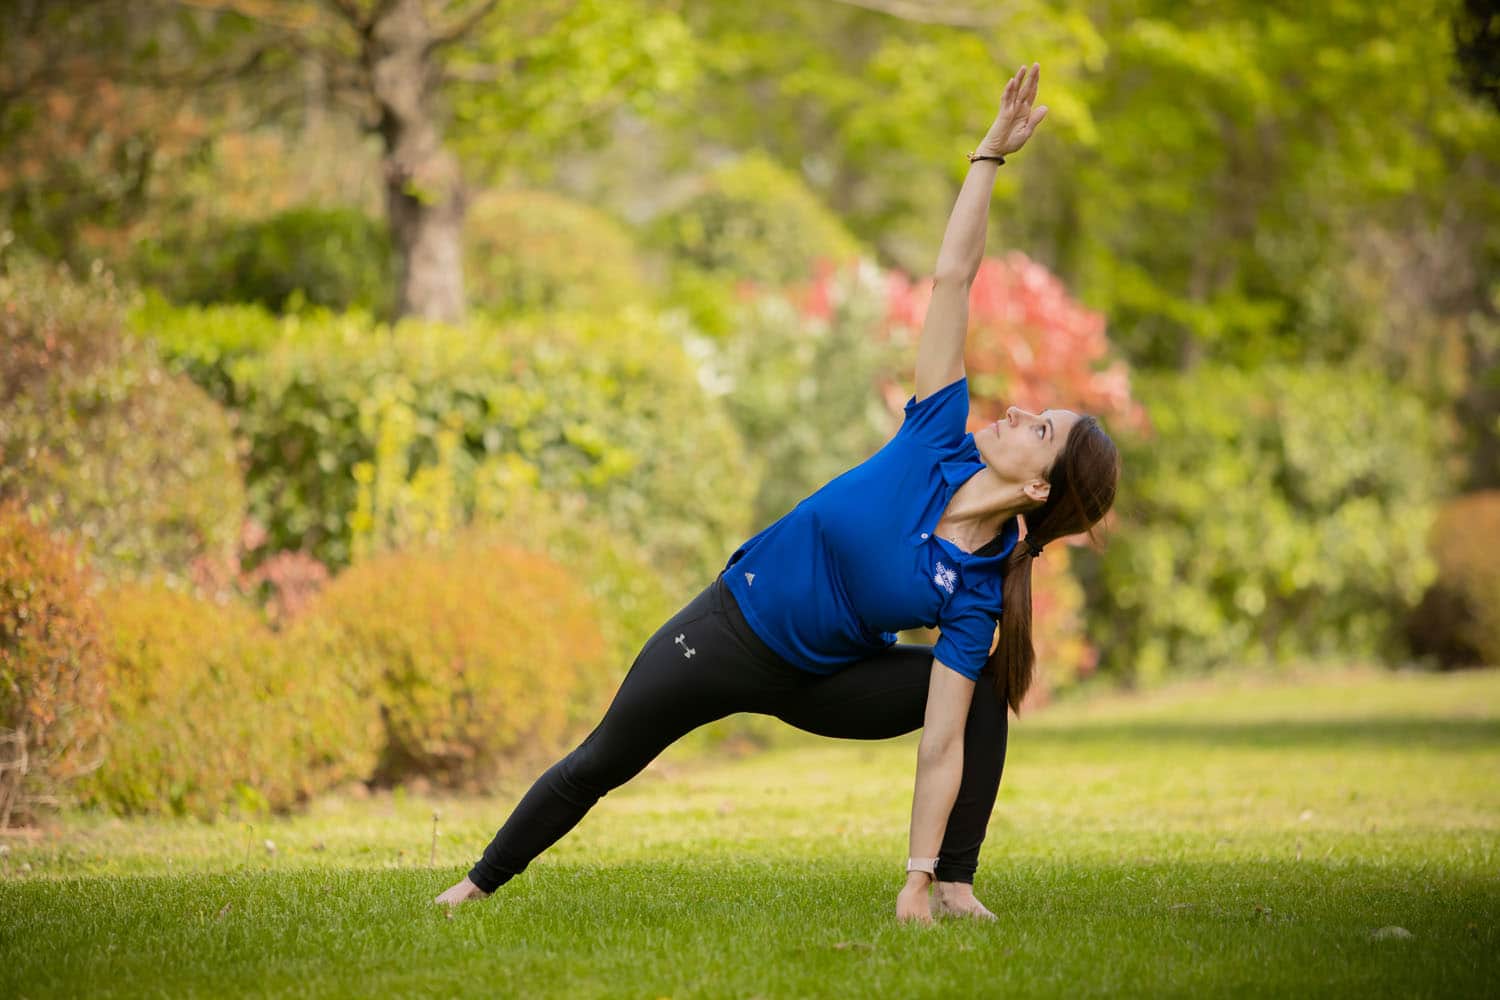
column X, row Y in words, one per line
column 945, row 577
column 682, row 641
column 749, row 579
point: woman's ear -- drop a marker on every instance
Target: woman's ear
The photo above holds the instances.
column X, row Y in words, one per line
column 1037, row 490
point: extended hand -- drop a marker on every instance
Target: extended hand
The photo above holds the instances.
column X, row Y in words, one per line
column 1016, row 119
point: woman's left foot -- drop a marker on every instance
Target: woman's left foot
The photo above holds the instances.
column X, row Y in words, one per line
column 462, row 892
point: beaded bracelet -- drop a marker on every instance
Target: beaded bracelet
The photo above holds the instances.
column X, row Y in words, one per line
column 976, row 156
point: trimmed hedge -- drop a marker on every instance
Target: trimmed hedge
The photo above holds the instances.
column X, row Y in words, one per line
column 584, row 405
column 478, row 654
column 52, row 686
column 535, row 251
column 753, row 220
column 213, row 715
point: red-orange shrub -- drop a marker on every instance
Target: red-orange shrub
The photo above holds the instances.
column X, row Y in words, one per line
column 213, row 715
column 1458, row 621
column 474, row 652
column 52, row 694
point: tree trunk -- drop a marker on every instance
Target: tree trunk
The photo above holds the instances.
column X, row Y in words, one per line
column 425, row 195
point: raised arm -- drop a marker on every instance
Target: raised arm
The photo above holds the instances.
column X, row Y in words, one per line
column 940, row 353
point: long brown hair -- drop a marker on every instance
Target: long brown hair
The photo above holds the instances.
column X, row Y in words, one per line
column 1083, row 481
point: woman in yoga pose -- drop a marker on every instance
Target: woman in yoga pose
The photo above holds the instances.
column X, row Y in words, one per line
column 801, row 622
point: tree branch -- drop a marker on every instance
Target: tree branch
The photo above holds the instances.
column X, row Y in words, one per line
column 929, row 12
column 350, row 11
column 461, row 27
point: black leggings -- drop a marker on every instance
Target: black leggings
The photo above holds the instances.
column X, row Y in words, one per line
column 706, row 663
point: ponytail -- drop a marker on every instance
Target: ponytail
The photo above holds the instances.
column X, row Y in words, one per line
column 1083, row 482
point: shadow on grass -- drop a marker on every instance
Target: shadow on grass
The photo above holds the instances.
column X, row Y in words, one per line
column 1393, row 733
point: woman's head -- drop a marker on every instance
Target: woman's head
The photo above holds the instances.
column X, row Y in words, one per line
column 1079, row 490
column 1022, row 448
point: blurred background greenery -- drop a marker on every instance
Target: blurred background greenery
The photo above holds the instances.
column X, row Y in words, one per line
column 353, row 352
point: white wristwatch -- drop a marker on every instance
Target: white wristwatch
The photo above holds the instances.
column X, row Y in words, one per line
column 928, row 865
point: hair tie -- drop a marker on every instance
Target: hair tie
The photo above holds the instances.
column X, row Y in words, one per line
column 1036, row 549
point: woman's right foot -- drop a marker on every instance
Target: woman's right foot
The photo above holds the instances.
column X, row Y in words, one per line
column 462, row 892
column 956, row 899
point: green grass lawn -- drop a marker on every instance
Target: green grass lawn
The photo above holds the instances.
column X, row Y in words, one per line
column 1208, row 839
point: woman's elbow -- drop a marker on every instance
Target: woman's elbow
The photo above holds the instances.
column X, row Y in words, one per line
column 938, row 748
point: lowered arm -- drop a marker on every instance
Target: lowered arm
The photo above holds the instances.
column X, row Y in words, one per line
column 940, row 759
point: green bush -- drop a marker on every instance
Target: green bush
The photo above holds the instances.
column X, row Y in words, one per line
column 1458, row 621
column 1271, row 516
column 753, row 219
column 339, row 258
column 52, row 689
column 608, row 408
column 134, row 463
column 478, row 654
column 804, row 389
column 535, row 251
column 213, row 715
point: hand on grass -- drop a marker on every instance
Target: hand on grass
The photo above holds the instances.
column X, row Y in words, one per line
column 464, row 890
column 913, row 902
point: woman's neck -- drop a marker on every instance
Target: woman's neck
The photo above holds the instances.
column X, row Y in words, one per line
column 977, row 510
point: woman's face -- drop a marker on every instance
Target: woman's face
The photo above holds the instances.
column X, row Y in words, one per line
column 1021, row 446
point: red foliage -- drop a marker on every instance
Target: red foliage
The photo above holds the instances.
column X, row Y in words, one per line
column 1030, row 343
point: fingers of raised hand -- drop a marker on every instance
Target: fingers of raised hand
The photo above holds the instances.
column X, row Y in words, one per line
column 1020, row 90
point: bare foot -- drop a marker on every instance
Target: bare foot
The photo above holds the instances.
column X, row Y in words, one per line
column 956, row 899
column 463, row 891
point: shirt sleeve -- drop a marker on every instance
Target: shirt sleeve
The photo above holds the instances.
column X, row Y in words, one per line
column 965, row 641
column 939, row 420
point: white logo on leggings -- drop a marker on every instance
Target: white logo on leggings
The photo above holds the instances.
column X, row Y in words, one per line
column 681, row 640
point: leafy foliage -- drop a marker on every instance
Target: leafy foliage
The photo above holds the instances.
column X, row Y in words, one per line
column 136, row 463
column 213, row 715
column 803, row 378
column 529, row 251
column 1267, row 517
column 749, row 221
column 579, row 401
column 52, row 686
column 338, row 258
column 476, row 654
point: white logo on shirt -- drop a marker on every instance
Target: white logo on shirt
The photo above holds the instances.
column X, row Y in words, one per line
column 681, row 641
column 749, row 579
column 945, row 577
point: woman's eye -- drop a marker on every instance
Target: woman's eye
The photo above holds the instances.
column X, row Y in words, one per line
column 1041, row 432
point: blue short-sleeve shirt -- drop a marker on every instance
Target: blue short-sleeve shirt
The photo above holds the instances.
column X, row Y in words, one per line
column 841, row 573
